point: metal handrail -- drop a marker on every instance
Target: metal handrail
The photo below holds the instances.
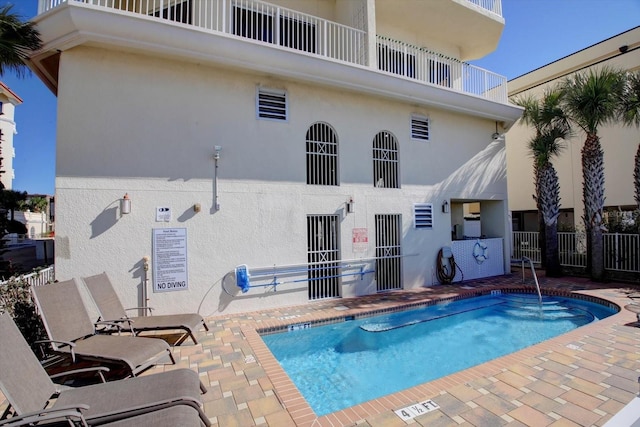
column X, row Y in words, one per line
column 535, row 277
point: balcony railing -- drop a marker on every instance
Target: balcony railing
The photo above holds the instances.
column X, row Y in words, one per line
column 494, row 6
column 430, row 67
column 268, row 23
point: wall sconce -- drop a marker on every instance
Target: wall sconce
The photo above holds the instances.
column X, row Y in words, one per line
column 125, row 204
column 445, row 207
column 216, row 154
column 351, row 205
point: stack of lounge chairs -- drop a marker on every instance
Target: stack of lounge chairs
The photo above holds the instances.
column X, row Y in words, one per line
column 166, row 399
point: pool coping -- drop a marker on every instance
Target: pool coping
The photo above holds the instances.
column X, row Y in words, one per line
column 303, row 415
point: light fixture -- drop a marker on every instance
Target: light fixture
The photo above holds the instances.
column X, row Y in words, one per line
column 217, row 150
column 125, row 204
column 445, row 207
column 351, row 205
column 496, row 135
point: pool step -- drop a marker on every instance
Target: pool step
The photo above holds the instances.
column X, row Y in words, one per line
column 402, row 319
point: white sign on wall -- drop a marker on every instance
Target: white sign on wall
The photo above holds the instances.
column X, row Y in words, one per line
column 170, row 259
column 163, row 214
column 360, row 240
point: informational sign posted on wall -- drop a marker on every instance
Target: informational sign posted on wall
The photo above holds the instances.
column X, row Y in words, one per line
column 170, row 259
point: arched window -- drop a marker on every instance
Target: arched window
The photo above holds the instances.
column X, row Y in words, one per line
column 322, row 155
column 385, row 161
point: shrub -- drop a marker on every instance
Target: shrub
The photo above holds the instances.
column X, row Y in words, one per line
column 15, row 300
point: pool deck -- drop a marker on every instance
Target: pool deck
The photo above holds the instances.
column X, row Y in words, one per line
column 581, row 378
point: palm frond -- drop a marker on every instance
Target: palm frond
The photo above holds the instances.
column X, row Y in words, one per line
column 18, row 40
column 591, row 99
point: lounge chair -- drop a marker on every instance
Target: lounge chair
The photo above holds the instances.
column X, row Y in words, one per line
column 70, row 330
column 173, row 395
column 112, row 311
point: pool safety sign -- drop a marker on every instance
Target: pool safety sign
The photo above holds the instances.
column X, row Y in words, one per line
column 360, row 240
column 170, row 259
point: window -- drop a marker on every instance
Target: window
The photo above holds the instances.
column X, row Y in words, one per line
column 297, row 34
column 252, row 25
column 385, row 161
column 439, row 73
column 272, row 104
column 419, row 127
column 423, row 215
column 396, row 61
column 322, row 155
column 260, row 25
column 177, row 11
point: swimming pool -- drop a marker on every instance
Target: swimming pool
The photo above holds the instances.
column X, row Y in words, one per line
column 340, row 365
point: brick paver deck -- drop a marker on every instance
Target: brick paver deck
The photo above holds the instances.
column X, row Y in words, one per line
column 581, row 378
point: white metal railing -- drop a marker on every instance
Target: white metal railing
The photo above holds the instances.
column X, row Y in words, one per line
column 494, row 6
column 572, row 249
column 398, row 57
column 526, row 244
column 37, row 278
column 622, row 252
column 268, row 23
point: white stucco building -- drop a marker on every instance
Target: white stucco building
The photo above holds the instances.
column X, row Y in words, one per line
column 329, row 146
column 8, row 102
column 618, row 143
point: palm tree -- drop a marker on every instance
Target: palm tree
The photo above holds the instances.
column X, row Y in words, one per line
column 631, row 116
column 591, row 100
column 551, row 128
column 17, row 40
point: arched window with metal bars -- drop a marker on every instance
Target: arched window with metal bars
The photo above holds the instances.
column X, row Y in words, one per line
column 385, row 160
column 322, row 155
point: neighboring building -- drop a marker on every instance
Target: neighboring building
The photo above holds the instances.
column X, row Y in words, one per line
column 39, row 223
column 288, row 137
column 8, row 102
column 619, row 143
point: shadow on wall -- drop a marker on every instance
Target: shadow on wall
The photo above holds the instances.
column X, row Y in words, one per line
column 479, row 173
column 104, row 221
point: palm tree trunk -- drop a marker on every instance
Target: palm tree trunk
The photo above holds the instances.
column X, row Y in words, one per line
column 550, row 208
column 541, row 228
column 636, row 177
column 593, row 199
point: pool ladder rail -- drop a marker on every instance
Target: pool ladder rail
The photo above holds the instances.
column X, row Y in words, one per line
column 533, row 272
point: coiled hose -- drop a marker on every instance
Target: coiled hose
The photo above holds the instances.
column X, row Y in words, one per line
column 445, row 275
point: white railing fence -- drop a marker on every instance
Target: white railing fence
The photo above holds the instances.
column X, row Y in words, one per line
column 494, row 6
column 268, row 23
column 526, row 244
column 621, row 251
column 36, row 278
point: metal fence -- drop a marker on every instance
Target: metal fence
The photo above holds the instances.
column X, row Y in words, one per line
column 37, row 278
column 621, row 251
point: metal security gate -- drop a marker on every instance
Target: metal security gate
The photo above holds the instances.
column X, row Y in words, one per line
column 323, row 256
column 388, row 252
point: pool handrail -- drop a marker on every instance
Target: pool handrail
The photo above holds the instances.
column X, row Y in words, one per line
column 533, row 271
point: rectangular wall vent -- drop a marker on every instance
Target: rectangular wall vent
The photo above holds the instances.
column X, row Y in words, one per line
column 420, row 128
column 272, row 104
column 423, row 215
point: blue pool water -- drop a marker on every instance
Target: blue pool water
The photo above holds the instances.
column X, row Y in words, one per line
column 343, row 364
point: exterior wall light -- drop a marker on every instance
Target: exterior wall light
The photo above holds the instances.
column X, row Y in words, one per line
column 351, row 205
column 125, row 205
column 445, row 207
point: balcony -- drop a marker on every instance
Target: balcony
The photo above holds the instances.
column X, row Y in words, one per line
column 287, row 30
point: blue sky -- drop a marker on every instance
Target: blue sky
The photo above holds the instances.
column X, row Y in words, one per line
column 537, row 32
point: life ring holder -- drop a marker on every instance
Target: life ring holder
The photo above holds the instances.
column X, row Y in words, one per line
column 480, row 252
